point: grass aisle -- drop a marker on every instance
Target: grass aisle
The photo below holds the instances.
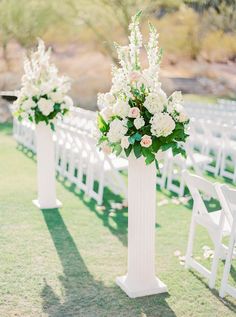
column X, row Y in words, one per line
column 63, row 263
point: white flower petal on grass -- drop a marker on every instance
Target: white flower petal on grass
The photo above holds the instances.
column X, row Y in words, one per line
column 177, row 253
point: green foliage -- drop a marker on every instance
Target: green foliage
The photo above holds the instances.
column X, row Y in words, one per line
column 24, row 20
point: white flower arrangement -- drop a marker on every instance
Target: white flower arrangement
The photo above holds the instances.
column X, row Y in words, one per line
column 42, row 97
column 137, row 114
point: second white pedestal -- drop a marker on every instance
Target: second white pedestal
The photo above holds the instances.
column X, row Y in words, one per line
column 140, row 279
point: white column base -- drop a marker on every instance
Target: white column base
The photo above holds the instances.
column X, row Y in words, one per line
column 155, row 287
column 57, row 204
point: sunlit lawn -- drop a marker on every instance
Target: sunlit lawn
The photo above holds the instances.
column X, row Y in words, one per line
column 62, row 263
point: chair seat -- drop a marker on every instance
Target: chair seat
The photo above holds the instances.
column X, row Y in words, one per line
column 215, row 217
column 119, row 164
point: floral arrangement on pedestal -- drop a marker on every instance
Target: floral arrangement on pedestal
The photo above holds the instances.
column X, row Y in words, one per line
column 42, row 97
column 136, row 114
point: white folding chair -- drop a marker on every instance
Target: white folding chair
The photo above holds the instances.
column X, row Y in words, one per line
column 214, row 222
column 227, row 198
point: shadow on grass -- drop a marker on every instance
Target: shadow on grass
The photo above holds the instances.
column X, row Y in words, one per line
column 120, row 217
column 6, row 128
column 82, row 294
column 27, row 152
column 214, row 292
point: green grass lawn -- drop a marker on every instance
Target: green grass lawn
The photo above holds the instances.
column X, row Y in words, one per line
column 63, row 263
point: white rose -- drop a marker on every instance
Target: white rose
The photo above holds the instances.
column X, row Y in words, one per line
column 179, row 113
column 121, row 108
column 162, row 124
column 68, row 102
column 109, row 99
column 183, row 117
column 155, row 102
column 105, row 148
column 139, row 123
column 106, row 113
column 105, row 100
column 125, row 142
column 28, row 104
column 176, row 97
column 45, row 106
column 57, row 97
column 116, row 131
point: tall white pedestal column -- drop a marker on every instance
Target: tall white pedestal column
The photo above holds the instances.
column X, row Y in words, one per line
column 45, row 168
column 141, row 279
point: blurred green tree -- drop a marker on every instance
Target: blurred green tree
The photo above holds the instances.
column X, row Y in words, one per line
column 109, row 19
column 23, row 21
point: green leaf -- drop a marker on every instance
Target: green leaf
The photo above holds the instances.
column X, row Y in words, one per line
column 117, row 149
column 102, row 125
column 138, row 15
column 130, row 124
column 131, row 139
column 156, row 144
column 137, row 150
column 128, row 150
column 52, row 126
column 150, row 158
column 137, row 136
column 146, row 151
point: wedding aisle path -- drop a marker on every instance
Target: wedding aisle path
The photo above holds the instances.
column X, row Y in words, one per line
column 63, row 263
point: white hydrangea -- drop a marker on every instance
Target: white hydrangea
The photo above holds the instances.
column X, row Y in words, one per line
column 155, row 102
column 121, row 108
column 45, row 106
column 139, row 123
column 162, row 124
column 116, row 131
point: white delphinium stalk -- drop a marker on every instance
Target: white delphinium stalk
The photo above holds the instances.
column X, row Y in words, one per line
column 135, row 41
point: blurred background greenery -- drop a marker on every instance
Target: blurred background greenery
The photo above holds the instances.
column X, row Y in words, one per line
column 198, row 38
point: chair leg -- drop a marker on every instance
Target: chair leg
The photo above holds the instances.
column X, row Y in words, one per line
column 215, row 262
column 190, row 243
column 227, row 265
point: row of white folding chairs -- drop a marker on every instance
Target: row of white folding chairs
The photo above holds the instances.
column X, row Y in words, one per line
column 218, row 141
column 171, row 167
column 81, row 119
column 219, row 223
column 79, row 160
column 24, row 133
column 216, row 116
